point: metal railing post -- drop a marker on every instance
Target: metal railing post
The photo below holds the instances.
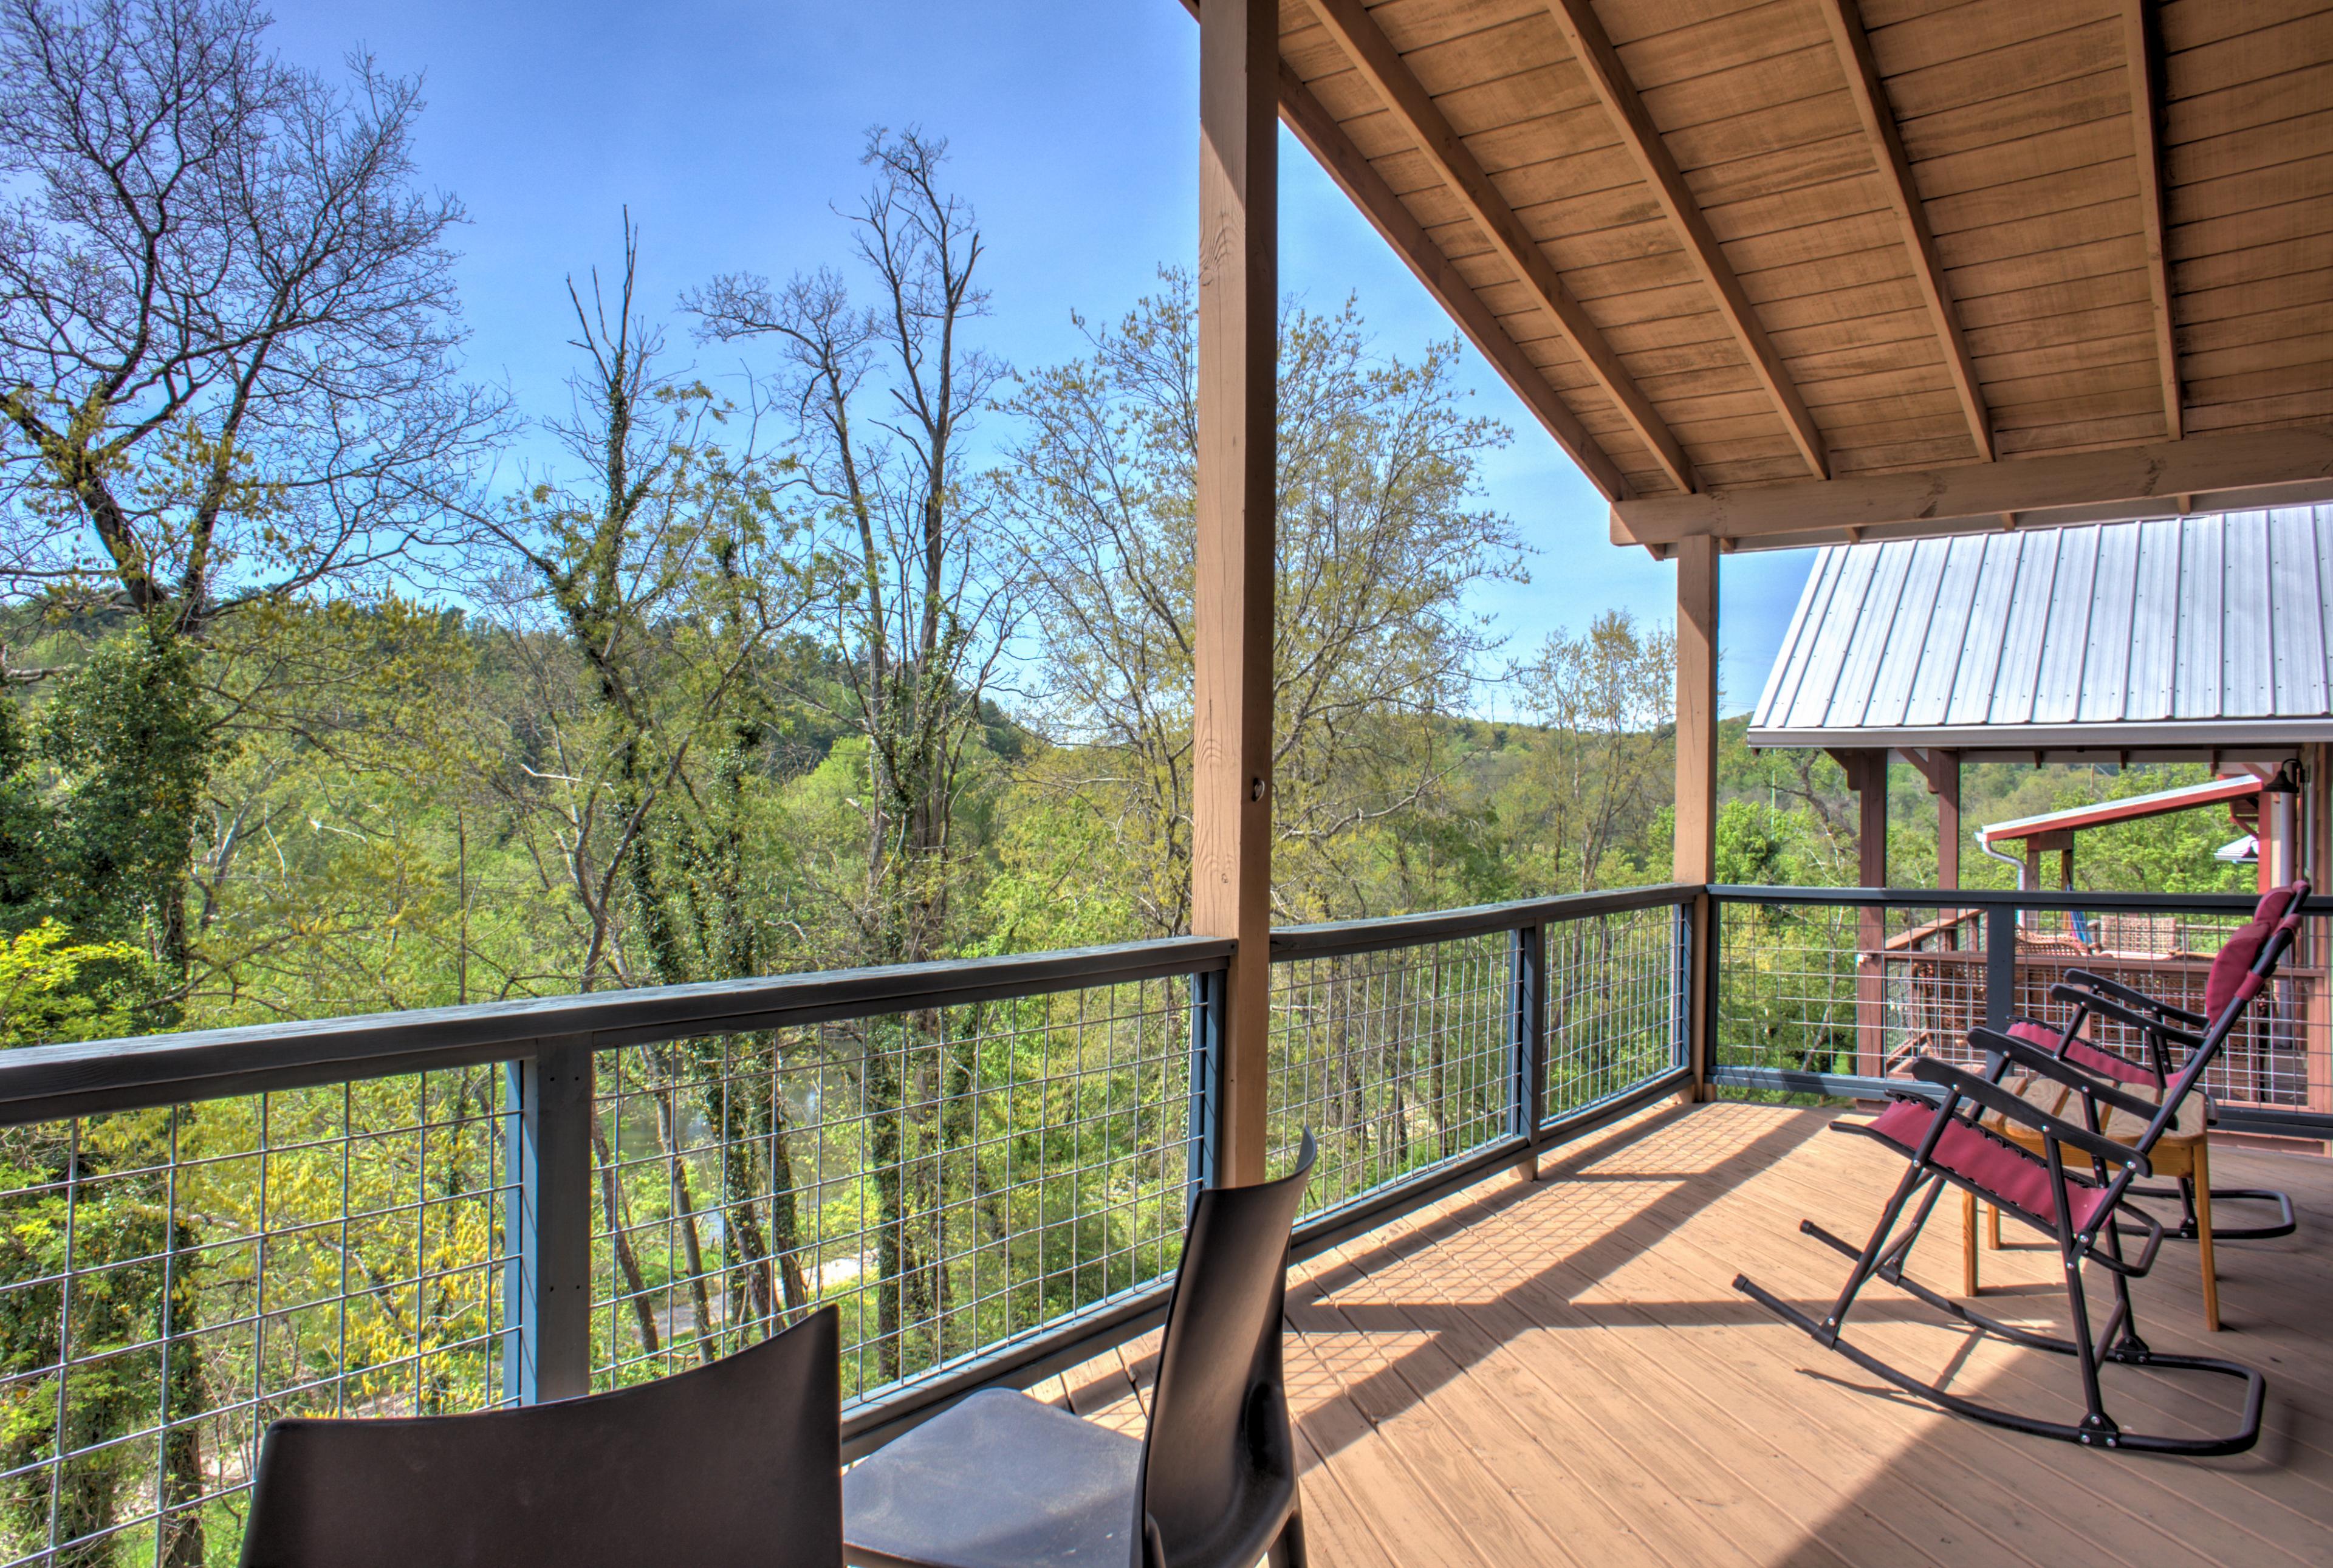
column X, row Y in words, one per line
column 1526, row 1040
column 547, row 1293
column 2000, row 967
column 1206, row 1141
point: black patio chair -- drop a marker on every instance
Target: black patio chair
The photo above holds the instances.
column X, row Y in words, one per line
column 2163, row 1027
column 734, row 1465
column 1947, row 1144
column 1001, row 1480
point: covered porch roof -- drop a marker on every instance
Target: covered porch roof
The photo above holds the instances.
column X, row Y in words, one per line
column 2197, row 638
column 1783, row 273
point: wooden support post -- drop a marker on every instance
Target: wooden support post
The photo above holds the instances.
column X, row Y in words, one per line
column 1948, row 818
column 1697, row 779
column 1870, row 782
column 1239, row 301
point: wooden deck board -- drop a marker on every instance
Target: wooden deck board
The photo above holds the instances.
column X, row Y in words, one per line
column 1560, row 1373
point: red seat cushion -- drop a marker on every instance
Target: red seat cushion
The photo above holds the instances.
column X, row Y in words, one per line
column 2108, row 1065
column 2018, row 1179
column 2085, row 1055
column 2273, row 903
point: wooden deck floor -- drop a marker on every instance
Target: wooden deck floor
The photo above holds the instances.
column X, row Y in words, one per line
column 1558, row 1373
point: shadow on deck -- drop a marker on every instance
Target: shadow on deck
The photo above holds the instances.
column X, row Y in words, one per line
column 1560, row 1373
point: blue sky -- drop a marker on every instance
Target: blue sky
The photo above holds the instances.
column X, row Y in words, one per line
column 729, row 128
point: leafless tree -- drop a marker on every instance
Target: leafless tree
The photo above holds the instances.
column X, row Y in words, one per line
column 227, row 314
column 923, row 606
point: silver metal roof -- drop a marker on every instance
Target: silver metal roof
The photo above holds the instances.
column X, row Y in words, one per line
column 2192, row 631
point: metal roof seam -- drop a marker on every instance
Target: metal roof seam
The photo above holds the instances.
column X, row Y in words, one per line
column 2146, row 634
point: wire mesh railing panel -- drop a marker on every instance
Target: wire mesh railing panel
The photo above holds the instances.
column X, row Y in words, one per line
column 1864, row 990
column 2267, row 1057
column 950, row 1178
column 1615, row 996
column 1397, row 1060
column 1845, row 989
column 172, row 1280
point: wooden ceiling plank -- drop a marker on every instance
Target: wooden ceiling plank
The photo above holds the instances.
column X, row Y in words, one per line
column 1864, row 86
column 1595, row 55
column 1325, row 139
column 1374, row 55
column 2258, row 466
column 1319, row 134
column 2143, row 74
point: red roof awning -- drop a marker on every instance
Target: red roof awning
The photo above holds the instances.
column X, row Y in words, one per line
column 2130, row 809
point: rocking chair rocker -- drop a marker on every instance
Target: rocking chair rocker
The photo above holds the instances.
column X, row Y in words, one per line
column 1947, row 1145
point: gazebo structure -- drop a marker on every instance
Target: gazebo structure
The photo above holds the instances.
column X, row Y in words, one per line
column 2200, row 639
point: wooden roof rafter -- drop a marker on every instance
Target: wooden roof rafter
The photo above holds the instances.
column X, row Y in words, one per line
column 2146, row 73
column 1844, row 22
column 1592, row 49
column 1379, row 63
column 1317, row 130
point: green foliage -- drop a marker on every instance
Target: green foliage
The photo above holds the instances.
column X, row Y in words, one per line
column 135, row 739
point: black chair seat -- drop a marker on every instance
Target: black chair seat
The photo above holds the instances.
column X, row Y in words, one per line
column 1002, row 1481
column 999, row 1481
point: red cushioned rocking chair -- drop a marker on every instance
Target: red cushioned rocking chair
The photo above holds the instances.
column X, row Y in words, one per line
column 2161, row 1026
column 1947, row 1145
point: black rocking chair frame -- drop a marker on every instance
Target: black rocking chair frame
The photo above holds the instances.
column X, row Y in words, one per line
column 2113, row 1167
column 2162, row 1025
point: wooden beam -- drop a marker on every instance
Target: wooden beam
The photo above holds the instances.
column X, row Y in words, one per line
column 2143, row 66
column 1869, row 779
column 1239, row 306
column 1413, row 108
column 1895, row 167
column 1326, row 141
column 1593, row 50
column 2225, row 472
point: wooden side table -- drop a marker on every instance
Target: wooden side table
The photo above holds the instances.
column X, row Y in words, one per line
column 2182, row 1152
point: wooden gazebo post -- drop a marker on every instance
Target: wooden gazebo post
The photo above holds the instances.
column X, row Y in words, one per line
column 1231, row 714
column 1696, row 776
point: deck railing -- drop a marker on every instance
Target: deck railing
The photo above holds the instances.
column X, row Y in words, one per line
column 1834, row 991
column 984, row 1164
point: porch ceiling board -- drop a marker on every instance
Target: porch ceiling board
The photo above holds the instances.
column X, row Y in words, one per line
column 1728, row 245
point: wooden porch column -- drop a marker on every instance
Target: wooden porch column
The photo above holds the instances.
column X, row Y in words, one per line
column 1869, row 781
column 1696, row 776
column 1230, row 716
column 1948, row 785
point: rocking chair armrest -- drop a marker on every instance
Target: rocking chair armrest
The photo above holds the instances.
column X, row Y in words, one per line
column 1992, row 1097
column 2099, row 984
column 2033, row 1059
column 2107, row 1007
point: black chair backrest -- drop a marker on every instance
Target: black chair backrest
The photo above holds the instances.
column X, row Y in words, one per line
column 1219, row 1460
column 723, row 1466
